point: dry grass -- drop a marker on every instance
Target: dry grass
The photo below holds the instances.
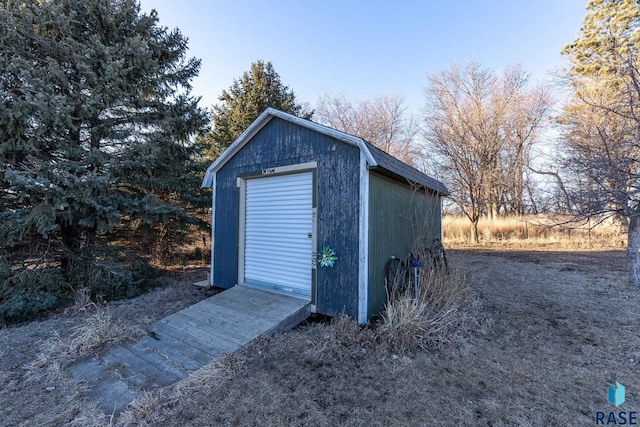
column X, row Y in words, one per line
column 145, row 410
column 34, row 387
column 150, row 408
column 553, row 330
column 534, row 231
column 73, row 410
column 431, row 319
column 96, row 330
column 549, row 322
column 63, row 398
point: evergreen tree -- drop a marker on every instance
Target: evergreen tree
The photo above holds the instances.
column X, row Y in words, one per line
column 244, row 101
column 95, row 121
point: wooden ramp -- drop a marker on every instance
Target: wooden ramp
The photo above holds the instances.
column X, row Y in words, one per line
column 185, row 341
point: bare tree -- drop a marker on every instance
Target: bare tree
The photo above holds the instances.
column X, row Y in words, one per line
column 481, row 126
column 381, row 121
column 602, row 119
column 523, row 122
column 603, row 159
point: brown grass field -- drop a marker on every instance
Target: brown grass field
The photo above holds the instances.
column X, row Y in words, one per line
column 535, row 232
column 549, row 331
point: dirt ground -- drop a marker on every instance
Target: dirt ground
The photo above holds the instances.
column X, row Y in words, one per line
column 552, row 330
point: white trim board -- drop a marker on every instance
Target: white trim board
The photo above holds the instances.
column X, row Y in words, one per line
column 363, row 244
column 300, row 167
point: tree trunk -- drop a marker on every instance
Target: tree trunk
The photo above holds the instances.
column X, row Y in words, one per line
column 534, row 206
column 494, row 211
column 70, row 247
column 474, row 232
column 633, row 244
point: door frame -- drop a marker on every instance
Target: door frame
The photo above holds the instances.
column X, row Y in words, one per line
column 280, row 170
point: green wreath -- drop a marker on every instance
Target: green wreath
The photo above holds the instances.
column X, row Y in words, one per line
column 327, row 257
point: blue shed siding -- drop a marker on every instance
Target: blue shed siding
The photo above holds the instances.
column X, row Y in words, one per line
column 225, row 230
column 281, row 143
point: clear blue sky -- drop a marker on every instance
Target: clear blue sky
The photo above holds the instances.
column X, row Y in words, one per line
column 366, row 48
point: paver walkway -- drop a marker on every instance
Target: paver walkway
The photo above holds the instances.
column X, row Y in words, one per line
column 184, row 341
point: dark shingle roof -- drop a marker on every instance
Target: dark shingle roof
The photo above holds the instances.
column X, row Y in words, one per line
column 401, row 170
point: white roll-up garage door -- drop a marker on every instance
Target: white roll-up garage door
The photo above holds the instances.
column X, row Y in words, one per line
column 277, row 232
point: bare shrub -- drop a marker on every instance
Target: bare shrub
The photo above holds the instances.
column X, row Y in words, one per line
column 82, row 303
column 431, row 319
column 99, row 331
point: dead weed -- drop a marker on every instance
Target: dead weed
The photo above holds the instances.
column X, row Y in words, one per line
column 440, row 310
column 150, row 408
column 96, row 330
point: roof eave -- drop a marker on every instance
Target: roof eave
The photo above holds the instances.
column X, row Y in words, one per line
column 245, row 136
column 262, row 120
column 439, row 189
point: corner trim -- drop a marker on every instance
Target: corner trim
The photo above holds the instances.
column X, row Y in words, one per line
column 363, row 249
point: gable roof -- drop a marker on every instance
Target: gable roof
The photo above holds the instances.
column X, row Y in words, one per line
column 376, row 158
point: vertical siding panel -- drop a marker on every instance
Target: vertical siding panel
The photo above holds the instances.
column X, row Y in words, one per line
column 338, row 199
column 400, row 220
column 226, row 231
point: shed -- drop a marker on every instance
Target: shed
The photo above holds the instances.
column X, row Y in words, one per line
column 288, row 188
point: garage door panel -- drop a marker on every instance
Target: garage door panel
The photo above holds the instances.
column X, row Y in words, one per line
column 286, row 246
column 278, row 220
column 257, row 221
column 284, row 209
column 274, row 276
column 275, row 259
column 278, row 184
column 276, row 252
column 267, row 198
